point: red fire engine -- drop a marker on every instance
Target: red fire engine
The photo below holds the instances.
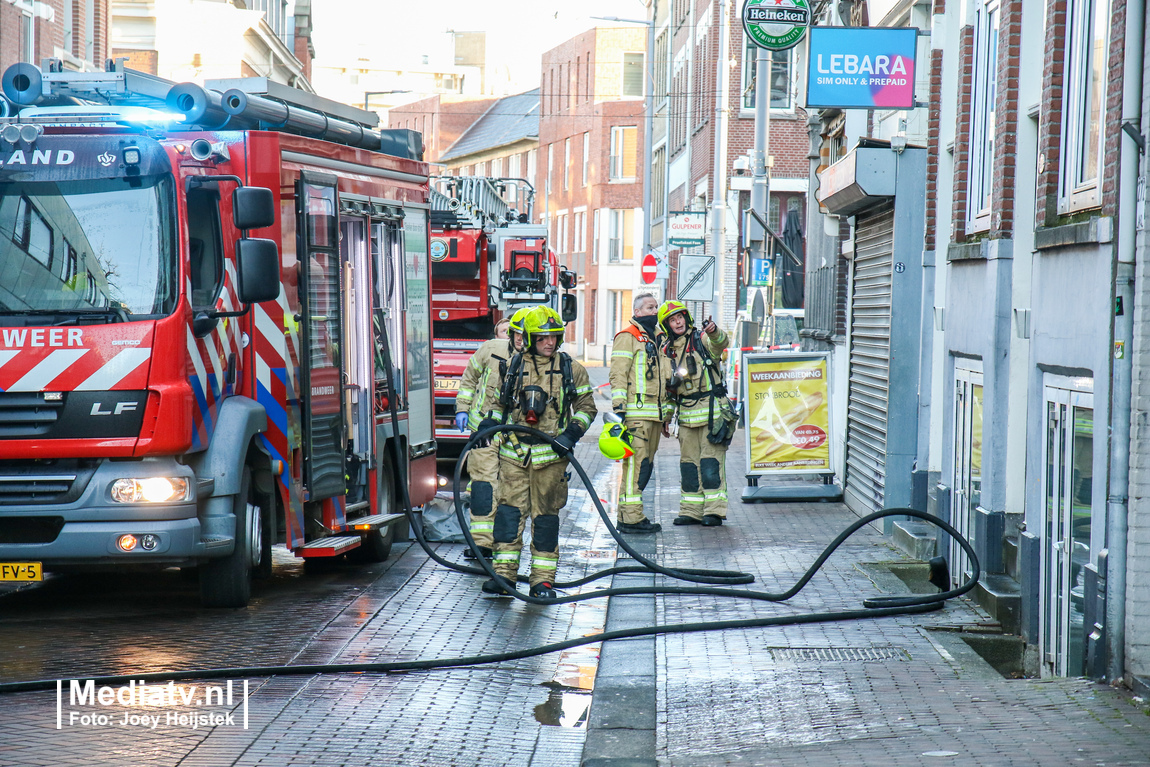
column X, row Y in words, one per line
column 194, row 305
column 487, row 260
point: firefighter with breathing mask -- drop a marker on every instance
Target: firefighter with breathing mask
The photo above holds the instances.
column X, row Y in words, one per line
column 706, row 422
column 547, row 390
column 470, row 407
column 638, row 396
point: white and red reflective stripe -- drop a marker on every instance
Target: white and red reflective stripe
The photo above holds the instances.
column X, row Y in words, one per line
column 48, row 369
column 116, row 369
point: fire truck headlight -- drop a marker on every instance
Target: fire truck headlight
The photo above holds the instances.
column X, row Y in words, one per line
column 151, row 490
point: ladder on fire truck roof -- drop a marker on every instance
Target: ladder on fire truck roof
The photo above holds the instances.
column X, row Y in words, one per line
column 478, row 202
column 49, row 94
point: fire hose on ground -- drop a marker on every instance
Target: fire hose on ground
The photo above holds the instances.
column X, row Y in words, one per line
column 875, row 607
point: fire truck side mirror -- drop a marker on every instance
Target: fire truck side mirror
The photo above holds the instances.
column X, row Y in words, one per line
column 253, row 207
column 568, row 309
column 259, row 264
column 567, row 279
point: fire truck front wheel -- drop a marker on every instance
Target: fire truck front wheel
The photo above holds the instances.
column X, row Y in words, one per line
column 227, row 582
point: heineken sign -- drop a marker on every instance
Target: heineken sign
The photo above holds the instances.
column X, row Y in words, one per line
column 776, row 24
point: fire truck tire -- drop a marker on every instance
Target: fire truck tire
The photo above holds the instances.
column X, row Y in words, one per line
column 376, row 546
column 227, row 582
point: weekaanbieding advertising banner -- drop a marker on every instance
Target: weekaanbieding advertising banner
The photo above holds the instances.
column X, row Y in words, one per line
column 788, row 413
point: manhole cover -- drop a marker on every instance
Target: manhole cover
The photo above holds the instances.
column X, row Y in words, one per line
column 838, row 654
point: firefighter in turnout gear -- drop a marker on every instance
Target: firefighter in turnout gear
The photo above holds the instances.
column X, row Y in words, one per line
column 547, row 390
column 470, row 407
column 697, row 389
column 638, row 396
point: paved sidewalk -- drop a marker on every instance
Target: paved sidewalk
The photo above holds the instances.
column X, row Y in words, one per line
column 884, row 692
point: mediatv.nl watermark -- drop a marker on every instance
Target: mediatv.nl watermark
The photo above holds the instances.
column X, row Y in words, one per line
column 83, row 703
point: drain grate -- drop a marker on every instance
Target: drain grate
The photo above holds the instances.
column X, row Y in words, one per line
column 838, row 654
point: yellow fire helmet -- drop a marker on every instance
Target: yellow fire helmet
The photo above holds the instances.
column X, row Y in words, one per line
column 670, row 308
column 615, row 442
column 516, row 323
column 542, row 321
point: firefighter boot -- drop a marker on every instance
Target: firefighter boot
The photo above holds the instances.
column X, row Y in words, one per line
column 644, row 525
column 543, row 590
column 491, row 586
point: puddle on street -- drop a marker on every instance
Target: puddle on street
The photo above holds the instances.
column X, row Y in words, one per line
column 564, row 707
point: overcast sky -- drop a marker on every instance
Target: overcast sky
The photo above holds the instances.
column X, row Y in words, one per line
column 518, row 31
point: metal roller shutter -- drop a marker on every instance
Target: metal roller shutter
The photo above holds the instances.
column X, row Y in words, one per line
column 867, row 388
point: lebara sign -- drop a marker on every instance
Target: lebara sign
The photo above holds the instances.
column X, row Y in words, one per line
column 861, row 67
column 776, row 24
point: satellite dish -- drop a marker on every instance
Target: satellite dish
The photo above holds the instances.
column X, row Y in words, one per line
column 758, row 307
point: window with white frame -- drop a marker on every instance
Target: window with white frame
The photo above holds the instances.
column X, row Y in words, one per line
column 580, row 231
column 566, row 164
column 632, row 74
column 624, row 150
column 550, row 165
column 532, row 162
column 586, row 155
column 513, row 166
column 497, row 167
column 781, row 66
column 982, row 116
column 595, row 237
column 561, row 241
column 620, row 243
column 1083, row 104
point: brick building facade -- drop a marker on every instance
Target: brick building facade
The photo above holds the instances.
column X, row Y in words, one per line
column 590, row 173
column 688, row 42
column 1033, row 375
column 75, row 31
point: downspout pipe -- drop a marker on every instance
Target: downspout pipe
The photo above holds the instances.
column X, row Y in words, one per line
column 1117, row 502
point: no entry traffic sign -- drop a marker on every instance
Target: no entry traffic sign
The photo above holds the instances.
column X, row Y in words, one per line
column 650, row 269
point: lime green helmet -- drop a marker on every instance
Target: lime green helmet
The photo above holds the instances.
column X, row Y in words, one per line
column 671, row 308
column 615, row 442
column 516, row 323
column 542, row 321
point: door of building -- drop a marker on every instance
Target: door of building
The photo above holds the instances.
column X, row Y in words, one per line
column 869, row 375
column 1068, row 458
column 967, row 478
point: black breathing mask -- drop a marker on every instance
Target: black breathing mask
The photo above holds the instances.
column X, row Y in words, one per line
column 533, row 401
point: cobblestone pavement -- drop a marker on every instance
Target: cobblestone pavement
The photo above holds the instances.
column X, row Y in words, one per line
column 884, row 692
column 528, row 712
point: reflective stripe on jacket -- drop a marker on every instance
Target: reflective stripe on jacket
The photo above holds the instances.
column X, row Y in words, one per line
column 546, row 373
column 471, row 397
column 638, row 380
column 695, row 410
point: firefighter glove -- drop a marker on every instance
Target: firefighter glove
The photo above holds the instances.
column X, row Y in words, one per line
column 461, row 421
column 486, row 423
column 620, row 410
column 565, row 442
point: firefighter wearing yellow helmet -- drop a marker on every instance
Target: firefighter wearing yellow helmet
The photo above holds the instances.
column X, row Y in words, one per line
column 638, row 374
column 696, row 387
column 470, row 406
column 546, row 389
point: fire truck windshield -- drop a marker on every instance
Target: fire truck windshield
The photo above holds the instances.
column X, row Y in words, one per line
column 100, row 247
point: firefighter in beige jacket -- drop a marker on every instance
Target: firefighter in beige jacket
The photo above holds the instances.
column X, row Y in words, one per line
column 547, row 390
column 638, row 377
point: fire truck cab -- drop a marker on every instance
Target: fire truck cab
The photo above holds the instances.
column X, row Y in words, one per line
column 215, row 327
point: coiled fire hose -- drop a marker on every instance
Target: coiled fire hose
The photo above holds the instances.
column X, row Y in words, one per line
column 875, row 607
